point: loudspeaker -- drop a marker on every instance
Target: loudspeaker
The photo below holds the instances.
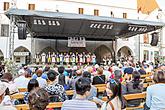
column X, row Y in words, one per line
column 155, row 38
column 21, row 30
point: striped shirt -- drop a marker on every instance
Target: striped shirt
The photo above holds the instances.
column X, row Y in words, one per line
column 78, row 104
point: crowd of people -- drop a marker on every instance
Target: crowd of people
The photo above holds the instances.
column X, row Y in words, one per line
column 49, row 84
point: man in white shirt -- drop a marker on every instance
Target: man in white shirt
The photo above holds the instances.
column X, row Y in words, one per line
column 42, row 82
column 5, row 101
column 21, row 81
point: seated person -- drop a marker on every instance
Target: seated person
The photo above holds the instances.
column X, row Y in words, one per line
column 42, row 82
column 21, row 81
column 5, row 101
column 7, row 80
column 93, row 90
column 80, row 102
column 33, row 83
column 38, row 99
column 155, row 98
column 99, row 78
column 134, row 86
column 55, row 90
column 115, row 98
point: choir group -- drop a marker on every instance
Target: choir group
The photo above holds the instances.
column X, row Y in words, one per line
column 66, row 58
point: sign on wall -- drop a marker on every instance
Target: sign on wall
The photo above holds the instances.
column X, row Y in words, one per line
column 21, row 53
column 76, row 42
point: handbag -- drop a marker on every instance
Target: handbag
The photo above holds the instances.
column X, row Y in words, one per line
column 146, row 107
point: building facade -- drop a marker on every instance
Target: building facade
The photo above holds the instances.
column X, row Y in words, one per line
column 25, row 50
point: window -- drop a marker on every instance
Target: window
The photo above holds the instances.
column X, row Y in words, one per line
column 124, row 15
column 96, row 12
column 31, row 7
column 6, row 6
column 146, row 38
column 81, row 11
column 156, row 54
column 111, row 13
column 17, row 59
column 4, row 30
column 146, row 55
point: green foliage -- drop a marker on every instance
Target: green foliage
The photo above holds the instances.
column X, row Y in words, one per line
column 11, row 67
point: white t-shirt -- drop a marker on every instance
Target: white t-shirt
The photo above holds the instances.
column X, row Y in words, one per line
column 21, row 82
column 115, row 102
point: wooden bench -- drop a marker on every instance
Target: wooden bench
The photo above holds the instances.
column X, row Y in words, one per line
column 131, row 97
column 17, row 96
column 100, row 87
column 22, row 89
column 69, row 92
column 21, row 95
column 50, row 105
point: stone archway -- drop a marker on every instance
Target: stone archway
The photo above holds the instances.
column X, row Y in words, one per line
column 22, row 55
column 124, row 52
column 1, row 56
column 102, row 51
column 46, row 50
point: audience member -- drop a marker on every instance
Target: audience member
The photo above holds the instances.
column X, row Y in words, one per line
column 80, row 102
column 38, row 99
column 155, row 98
column 134, row 86
column 61, row 77
column 42, row 82
column 74, row 79
column 5, row 101
column 118, row 76
column 55, row 90
column 99, row 78
column 21, row 81
column 93, row 90
column 115, row 98
column 33, row 83
column 7, row 80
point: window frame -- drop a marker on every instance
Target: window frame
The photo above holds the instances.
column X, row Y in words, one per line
column 96, row 12
column 31, row 6
column 6, row 6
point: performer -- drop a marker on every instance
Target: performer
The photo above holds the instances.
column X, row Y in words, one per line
column 94, row 59
column 37, row 57
column 109, row 60
column 67, row 59
column 49, row 58
column 57, row 58
column 61, row 58
column 43, row 58
column 88, row 58
column 73, row 59
column 53, row 58
column 104, row 60
column 84, row 58
column 70, row 58
column 76, row 57
column 80, row 59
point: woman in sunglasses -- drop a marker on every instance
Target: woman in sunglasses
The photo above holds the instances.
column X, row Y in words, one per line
column 115, row 99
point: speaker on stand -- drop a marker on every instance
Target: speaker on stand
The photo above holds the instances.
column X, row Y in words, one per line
column 155, row 39
column 21, row 30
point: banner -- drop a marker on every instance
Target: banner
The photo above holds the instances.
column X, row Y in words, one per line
column 76, row 42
